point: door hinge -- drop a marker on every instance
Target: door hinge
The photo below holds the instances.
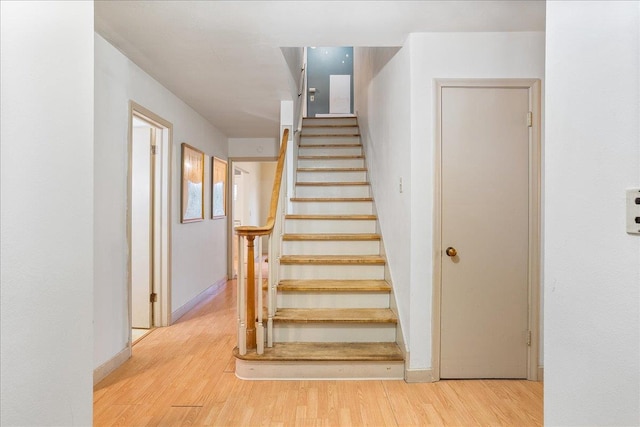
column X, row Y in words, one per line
column 154, row 150
column 529, row 119
column 153, row 297
column 529, row 338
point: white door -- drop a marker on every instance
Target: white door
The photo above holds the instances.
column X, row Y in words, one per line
column 141, row 227
column 484, row 218
column 339, row 94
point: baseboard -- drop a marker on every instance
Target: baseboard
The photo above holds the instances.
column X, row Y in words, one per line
column 111, row 365
column 418, row 375
column 541, row 373
column 197, row 300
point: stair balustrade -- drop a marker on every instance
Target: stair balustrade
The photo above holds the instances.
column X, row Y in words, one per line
column 250, row 298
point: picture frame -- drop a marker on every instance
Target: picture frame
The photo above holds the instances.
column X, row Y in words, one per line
column 218, row 188
column 192, row 185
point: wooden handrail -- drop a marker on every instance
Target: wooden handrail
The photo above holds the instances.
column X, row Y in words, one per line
column 251, row 232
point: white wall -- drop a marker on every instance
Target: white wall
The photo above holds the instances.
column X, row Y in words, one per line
column 47, row 213
column 198, row 249
column 401, row 146
column 254, row 147
column 382, row 94
column 267, row 174
column 592, row 267
column 295, row 58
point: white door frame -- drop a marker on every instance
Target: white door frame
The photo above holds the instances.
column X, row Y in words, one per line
column 535, row 163
column 162, row 216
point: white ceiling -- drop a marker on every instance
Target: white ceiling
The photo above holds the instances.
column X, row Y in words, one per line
column 223, row 58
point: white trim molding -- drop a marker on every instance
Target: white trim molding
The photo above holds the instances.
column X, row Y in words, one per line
column 162, row 251
column 197, row 299
column 418, row 375
column 111, row 365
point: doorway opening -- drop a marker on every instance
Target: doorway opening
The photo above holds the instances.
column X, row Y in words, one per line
column 329, row 82
column 251, row 187
column 149, row 221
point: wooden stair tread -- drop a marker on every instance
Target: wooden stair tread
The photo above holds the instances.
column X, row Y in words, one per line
column 332, row 169
column 332, row 217
column 354, row 156
column 340, row 117
column 333, row 259
column 329, row 145
column 308, row 351
column 331, row 199
column 334, row 285
column 335, row 315
column 327, row 157
column 343, row 125
column 326, row 236
column 331, row 184
column 331, row 135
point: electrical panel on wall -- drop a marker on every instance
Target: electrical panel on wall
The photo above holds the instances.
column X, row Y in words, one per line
column 633, row 211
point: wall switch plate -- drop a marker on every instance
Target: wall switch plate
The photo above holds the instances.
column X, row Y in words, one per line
column 633, row 210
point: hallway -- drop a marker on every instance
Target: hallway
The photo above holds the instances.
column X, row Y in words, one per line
column 184, row 375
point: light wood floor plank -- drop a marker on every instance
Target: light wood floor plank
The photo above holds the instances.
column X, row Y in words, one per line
column 183, row 375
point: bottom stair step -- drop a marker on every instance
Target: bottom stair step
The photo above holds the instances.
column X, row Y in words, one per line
column 324, row 351
column 321, row 361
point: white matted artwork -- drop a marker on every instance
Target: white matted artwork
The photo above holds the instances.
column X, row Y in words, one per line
column 340, row 93
column 218, row 188
column 192, row 200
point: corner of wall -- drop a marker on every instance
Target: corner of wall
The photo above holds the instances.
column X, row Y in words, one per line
column 102, row 371
column 192, row 303
column 423, row 375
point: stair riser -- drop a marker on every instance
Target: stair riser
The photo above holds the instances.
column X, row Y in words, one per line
column 332, row 176
column 331, row 163
column 330, row 121
column 329, row 226
column 329, row 130
column 350, row 370
column 330, row 151
column 333, row 191
column 333, row 272
column 316, row 140
column 333, row 247
column 333, row 208
column 334, row 332
column 333, row 300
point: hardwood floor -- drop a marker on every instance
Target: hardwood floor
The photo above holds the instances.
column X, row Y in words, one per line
column 184, row 375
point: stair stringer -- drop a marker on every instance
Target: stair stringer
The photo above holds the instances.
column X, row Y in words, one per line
column 393, row 305
column 409, row 376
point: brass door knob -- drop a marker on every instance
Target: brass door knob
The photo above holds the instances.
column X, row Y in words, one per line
column 451, row 251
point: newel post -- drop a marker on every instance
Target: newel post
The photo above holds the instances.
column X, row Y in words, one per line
column 251, row 294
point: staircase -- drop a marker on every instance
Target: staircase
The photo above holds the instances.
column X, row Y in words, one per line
column 333, row 317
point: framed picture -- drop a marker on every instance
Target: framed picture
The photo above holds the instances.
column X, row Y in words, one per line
column 192, row 200
column 218, row 188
